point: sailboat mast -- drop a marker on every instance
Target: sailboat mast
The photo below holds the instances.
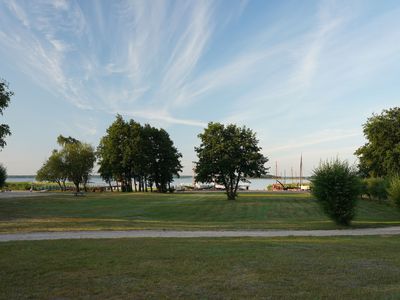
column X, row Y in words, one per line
column 291, row 170
column 301, row 169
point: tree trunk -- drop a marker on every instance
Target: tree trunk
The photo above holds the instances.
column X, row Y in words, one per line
column 129, row 185
column 110, row 185
column 59, row 184
column 134, row 183
column 145, row 184
column 231, row 195
column 77, row 187
column 237, row 184
column 229, row 188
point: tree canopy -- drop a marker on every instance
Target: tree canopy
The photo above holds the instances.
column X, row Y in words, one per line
column 144, row 154
column 380, row 156
column 5, row 97
column 3, row 175
column 54, row 170
column 74, row 161
column 227, row 155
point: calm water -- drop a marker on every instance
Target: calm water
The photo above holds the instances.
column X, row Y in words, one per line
column 255, row 184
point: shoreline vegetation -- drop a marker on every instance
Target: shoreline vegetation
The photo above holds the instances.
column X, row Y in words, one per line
column 96, row 183
column 190, row 176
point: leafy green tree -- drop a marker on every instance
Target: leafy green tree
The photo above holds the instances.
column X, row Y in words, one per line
column 142, row 153
column 3, row 176
column 5, row 96
column 227, row 155
column 336, row 187
column 54, row 170
column 164, row 162
column 106, row 168
column 394, row 190
column 113, row 153
column 376, row 188
column 380, row 156
column 79, row 159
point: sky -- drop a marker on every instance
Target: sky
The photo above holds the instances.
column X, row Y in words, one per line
column 304, row 75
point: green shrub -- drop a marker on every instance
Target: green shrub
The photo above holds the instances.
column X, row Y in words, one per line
column 3, row 175
column 394, row 190
column 18, row 186
column 364, row 188
column 377, row 188
column 336, row 187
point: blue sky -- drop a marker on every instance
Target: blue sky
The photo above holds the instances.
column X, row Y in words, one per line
column 304, row 75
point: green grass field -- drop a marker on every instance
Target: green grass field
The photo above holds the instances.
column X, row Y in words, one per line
column 201, row 211
column 221, row 268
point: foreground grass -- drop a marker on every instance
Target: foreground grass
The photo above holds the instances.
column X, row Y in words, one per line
column 230, row 268
column 207, row 211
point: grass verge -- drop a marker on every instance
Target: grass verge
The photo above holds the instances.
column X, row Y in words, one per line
column 207, row 211
column 221, row 268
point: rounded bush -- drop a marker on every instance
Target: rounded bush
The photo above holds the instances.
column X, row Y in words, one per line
column 336, row 187
column 3, row 175
column 394, row 190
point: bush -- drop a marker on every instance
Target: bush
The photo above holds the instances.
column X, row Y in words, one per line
column 336, row 187
column 3, row 176
column 377, row 188
column 394, row 190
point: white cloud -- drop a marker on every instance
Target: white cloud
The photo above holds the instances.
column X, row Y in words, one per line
column 60, row 4
column 163, row 116
column 315, row 139
column 19, row 12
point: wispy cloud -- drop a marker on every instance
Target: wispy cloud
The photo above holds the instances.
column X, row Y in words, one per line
column 19, row 12
column 163, row 116
column 285, row 69
column 315, row 139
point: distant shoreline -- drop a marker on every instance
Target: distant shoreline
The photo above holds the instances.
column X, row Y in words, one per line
column 181, row 176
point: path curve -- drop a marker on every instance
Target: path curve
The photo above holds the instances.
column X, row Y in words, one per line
column 34, row 236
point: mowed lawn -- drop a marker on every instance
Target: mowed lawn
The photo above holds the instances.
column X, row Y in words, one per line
column 220, row 268
column 197, row 211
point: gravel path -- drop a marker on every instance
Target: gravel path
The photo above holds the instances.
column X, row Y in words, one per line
column 23, row 194
column 192, row 234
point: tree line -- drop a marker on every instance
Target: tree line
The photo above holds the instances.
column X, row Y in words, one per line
column 135, row 156
column 142, row 155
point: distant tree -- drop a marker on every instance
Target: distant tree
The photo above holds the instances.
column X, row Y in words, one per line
column 54, row 170
column 74, row 161
column 106, row 168
column 113, row 154
column 336, row 187
column 227, row 155
column 3, row 176
column 380, row 156
column 376, row 187
column 5, row 96
column 142, row 153
column 79, row 160
column 394, row 190
column 164, row 162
